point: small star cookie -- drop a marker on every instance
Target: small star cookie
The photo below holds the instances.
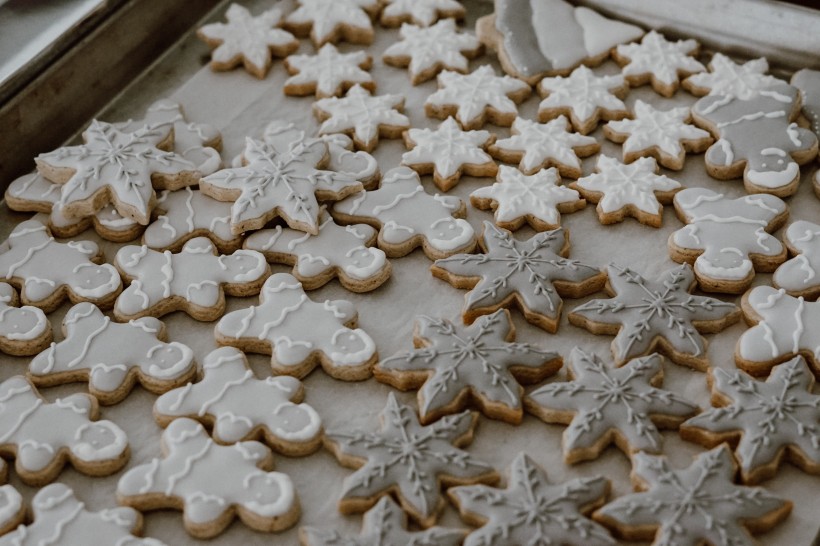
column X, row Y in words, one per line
column 328, row 73
column 331, row 21
column 420, row 12
column 727, row 77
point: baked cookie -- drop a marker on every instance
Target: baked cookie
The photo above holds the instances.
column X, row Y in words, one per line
column 665, row 135
column 808, row 82
column 535, row 199
column 419, row 12
column 432, row 452
column 479, row 364
column 532, row 275
column 604, row 404
column 726, row 77
column 635, row 189
column 334, row 20
column 727, row 240
column 328, row 73
column 23, row 330
column 799, row 274
column 477, row 98
column 535, row 146
column 656, row 315
column 448, row 152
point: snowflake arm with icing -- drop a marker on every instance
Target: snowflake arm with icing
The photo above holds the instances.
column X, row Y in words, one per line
column 659, row 62
column 299, row 333
column 649, row 315
column 769, row 421
column 535, row 146
column 448, row 152
column 413, row 460
column 23, row 330
column 727, row 77
column 407, row 217
column 531, row 274
column 695, row 505
column 420, row 12
column 426, row 51
column 334, row 20
column 535, row 199
column 583, row 97
column 477, row 97
column 453, row 365
column 211, row 482
column 530, row 510
column 635, row 189
column 328, row 73
column 241, row 407
column 799, row 275
column 665, row 135
column 28, row 263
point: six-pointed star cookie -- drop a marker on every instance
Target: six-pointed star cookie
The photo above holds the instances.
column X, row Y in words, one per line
column 420, row 12
column 328, row 73
column 603, row 404
column 727, row 77
column 532, row 511
column 649, row 315
column 454, row 365
column 635, row 189
column 658, row 61
column 768, row 421
column 410, row 460
column 448, row 152
column 334, row 20
column 531, row 274
column 535, row 199
column 799, row 276
column 699, row 504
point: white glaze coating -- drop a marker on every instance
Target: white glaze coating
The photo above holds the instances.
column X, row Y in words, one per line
column 433, row 48
column 664, row 60
column 448, row 148
column 584, row 93
column 329, row 70
column 326, row 17
column 422, row 12
column 727, row 77
column 800, row 274
column 23, row 324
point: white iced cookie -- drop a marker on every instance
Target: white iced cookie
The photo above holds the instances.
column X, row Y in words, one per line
column 726, row 77
column 420, row 12
column 328, row 73
column 799, row 276
column 23, row 330
column 334, row 20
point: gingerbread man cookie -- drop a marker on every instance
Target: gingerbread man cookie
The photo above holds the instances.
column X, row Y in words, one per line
column 799, row 274
column 328, row 73
column 727, row 77
column 334, row 20
column 23, row 330
column 420, row 12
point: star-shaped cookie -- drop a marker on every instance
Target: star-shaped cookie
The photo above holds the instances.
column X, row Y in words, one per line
column 334, row 20
column 328, row 73
column 420, row 12
column 727, row 77
column 799, row 275
column 658, row 61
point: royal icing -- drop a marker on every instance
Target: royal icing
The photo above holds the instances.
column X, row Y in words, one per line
column 209, row 481
column 420, row 12
column 29, row 258
column 409, row 459
column 799, row 276
column 332, row 20
column 530, row 510
column 86, row 353
column 602, row 402
column 300, row 333
column 20, row 325
column 328, row 73
column 727, row 77
column 658, row 60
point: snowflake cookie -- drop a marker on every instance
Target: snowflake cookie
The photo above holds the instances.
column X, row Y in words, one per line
column 427, row 50
column 603, row 405
column 194, row 280
column 328, row 73
column 665, row 135
column 634, row 189
column 448, row 152
column 583, row 97
column 727, row 240
column 407, row 217
column 532, row 275
column 798, row 276
column 477, row 97
column 535, row 146
column 757, row 138
column 59, row 517
column 334, row 20
column 532, row 511
column 300, row 334
column 345, row 252
column 453, row 365
column 43, row 436
column 409, row 460
column 699, row 504
column 27, row 261
column 241, row 407
column 767, row 421
column 23, row 330
column 211, row 482
column 727, row 77
column 535, row 199
column 658, row 61
column 420, row 12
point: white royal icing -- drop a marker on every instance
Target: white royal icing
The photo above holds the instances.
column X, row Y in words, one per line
column 326, row 18
column 421, row 12
column 448, row 148
column 663, row 60
column 329, row 71
column 588, row 97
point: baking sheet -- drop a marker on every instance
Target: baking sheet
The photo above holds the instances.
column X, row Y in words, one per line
column 241, row 105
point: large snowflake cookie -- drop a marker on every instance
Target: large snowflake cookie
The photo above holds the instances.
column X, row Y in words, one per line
column 328, row 73
column 535, row 199
column 410, row 460
column 453, row 365
column 530, row 510
column 603, row 405
column 211, row 483
column 635, row 189
column 334, row 20
column 757, row 138
column 665, row 135
column 532, row 275
column 407, row 217
column 300, row 334
column 43, row 436
column 420, row 12
column 799, row 275
column 23, row 330
column 241, row 407
column 86, row 354
column 727, row 240
column 28, row 258
column 477, row 97
column 649, row 315
column 426, row 51
column 727, row 77
column 699, row 504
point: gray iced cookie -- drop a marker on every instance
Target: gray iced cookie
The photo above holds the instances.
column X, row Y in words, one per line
column 799, row 275
column 808, row 82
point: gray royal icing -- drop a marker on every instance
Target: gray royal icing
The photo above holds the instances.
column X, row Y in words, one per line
column 329, row 71
column 20, row 324
column 799, row 276
column 808, row 81
column 663, row 60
